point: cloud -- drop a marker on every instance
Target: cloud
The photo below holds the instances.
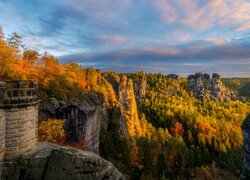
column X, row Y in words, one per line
column 161, row 51
column 223, row 58
column 216, row 41
column 201, row 16
column 167, row 11
column 114, row 39
column 243, row 27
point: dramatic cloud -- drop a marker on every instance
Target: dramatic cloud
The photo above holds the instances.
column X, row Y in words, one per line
column 179, row 36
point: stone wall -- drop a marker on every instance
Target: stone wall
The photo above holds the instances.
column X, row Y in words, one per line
column 21, row 127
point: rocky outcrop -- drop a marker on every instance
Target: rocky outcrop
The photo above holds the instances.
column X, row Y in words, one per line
column 48, row 109
column 206, row 88
column 140, row 85
column 50, row 161
column 87, row 113
column 128, row 106
column 83, row 119
column 246, row 148
column 84, row 115
column 173, row 76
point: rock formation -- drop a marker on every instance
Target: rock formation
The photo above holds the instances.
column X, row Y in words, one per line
column 50, row 161
column 128, row 106
column 140, row 85
column 173, row 76
column 87, row 113
column 246, row 148
column 48, row 109
column 83, row 119
column 84, row 116
column 206, row 88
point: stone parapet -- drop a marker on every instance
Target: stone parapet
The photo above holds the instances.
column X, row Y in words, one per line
column 18, row 93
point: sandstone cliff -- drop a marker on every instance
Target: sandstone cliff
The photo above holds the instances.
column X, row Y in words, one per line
column 83, row 119
column 140, row 85
column 89, row 111
column 128, row 106
column 50, row 161
column 84, row 115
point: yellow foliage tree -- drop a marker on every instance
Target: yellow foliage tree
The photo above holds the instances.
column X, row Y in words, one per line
column 51, row 131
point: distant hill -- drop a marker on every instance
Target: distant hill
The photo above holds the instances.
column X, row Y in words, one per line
column 239, row 85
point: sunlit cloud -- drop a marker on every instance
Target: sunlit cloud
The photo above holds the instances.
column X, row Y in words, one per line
column 162, row 51
column 243, row 27
column 205, row 15
column 114, row 39
column 216, row 41
column 167, row 11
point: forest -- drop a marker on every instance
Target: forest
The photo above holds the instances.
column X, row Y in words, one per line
column 239, row 85
column 178, row 136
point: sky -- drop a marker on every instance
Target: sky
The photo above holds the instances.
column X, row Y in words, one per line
column 168, row 36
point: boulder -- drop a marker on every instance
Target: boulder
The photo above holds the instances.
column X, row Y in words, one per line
column 50, row 161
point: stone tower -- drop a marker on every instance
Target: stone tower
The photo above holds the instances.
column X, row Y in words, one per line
column 18, row 120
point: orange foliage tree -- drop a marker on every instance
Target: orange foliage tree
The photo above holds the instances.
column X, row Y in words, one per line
column 177, row 129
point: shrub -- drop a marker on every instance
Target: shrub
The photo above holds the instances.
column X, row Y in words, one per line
column 51, row 131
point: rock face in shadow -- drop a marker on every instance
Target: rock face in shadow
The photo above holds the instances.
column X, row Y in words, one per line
column 246, row 148
column 206, row 88
column 83, row 120
column 84, row 116
column 50, row 161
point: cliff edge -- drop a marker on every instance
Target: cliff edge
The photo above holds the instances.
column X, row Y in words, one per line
column 50, row 161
